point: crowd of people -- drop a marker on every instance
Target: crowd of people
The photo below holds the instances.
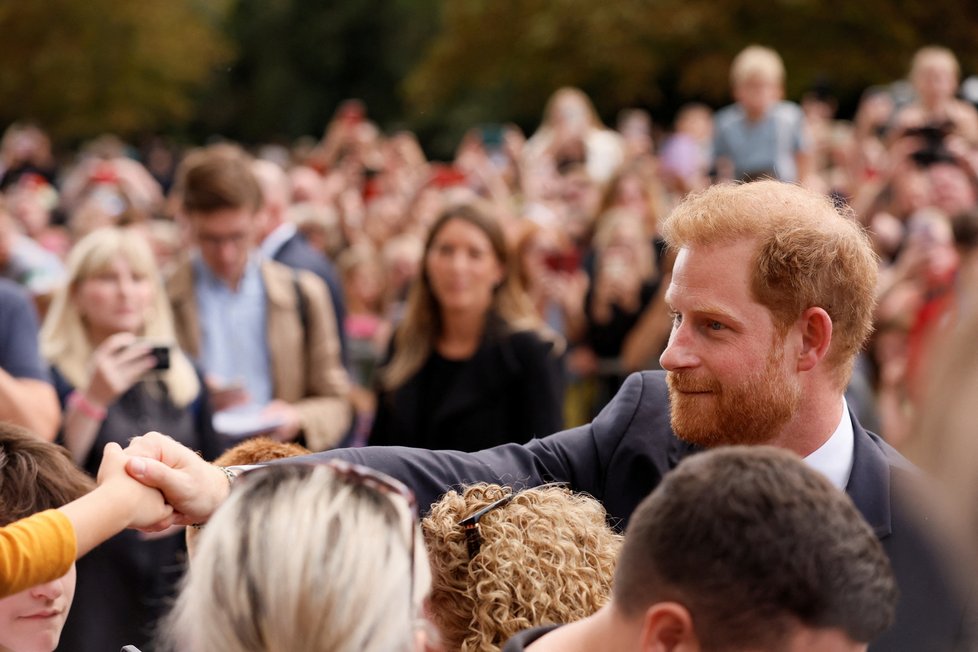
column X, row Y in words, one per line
column 423, row 326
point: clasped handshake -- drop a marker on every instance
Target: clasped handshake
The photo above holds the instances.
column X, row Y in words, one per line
column 162, row 482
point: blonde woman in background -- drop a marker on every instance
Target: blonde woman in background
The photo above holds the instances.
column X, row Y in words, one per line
column 98, row 337
column 504, row 562
column 306, row 558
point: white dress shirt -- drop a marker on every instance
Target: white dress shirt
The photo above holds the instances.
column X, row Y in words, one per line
column 833, row 459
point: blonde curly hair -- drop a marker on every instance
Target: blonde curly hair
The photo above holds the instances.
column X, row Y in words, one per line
column 547, row 557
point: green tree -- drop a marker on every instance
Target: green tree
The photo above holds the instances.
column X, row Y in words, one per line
column 501, row 59
column 82, row 68
column 298, row 59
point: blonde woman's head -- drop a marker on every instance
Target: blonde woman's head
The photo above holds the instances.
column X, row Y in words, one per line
column 68, row 335
column 303, row 558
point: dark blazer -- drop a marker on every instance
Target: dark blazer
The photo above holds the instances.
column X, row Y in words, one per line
column 511, row 390
column 299, row 254
column 624, row 453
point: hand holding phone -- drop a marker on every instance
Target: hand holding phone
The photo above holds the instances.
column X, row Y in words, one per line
column 161, row 354
column 116, row 365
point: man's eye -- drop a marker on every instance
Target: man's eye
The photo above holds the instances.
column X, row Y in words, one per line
column 716, row 326
column 676, row 318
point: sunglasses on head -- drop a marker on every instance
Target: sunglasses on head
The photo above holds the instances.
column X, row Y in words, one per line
column 396, row 492
column 470, row 524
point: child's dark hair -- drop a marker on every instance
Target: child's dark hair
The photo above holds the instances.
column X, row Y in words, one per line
column 35, row 475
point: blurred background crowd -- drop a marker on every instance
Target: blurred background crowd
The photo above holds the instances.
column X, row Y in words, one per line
column 577, row 202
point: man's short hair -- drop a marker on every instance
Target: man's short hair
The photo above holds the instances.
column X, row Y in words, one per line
column 216, row 178
column 753, row 543
column 756, row 61
column 35, row 475
column 810, row 253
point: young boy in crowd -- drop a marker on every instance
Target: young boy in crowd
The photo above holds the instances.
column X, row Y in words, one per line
column 761, row 134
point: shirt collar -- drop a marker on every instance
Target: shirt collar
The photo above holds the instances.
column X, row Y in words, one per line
column 252, row 273
column 277, row 239
column 833, row 459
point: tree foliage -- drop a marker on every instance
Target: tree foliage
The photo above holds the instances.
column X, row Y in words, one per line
column 257, row 70
column 501, row 59
column 300, row 58
column 80, row 68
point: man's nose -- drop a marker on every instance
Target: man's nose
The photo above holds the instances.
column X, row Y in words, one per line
column 679, row 352
column 228, row 250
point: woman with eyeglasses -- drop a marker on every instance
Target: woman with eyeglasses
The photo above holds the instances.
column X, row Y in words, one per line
column 503, row 562
column 306, row 558
column 472, row 363
column 98, row 337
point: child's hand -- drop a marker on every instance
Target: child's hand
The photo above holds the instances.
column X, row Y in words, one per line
column 148, row 509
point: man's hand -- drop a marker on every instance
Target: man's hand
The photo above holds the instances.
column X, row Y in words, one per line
column 146, row 507
column 193, row 487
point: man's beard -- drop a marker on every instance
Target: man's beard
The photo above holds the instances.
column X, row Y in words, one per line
column 752, row 412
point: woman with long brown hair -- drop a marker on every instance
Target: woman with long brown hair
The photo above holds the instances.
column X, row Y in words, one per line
column 472, row 365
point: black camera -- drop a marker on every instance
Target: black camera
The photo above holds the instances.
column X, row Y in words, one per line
column 161, row 354
column 932, row 136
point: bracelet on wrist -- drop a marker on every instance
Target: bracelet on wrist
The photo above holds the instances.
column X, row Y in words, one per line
column 230, row 473
column 77, row 400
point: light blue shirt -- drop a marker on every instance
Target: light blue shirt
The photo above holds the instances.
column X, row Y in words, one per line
column 768, row 145
column 232, row 327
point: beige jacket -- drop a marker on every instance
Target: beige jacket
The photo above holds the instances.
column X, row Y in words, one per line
column 306, row 368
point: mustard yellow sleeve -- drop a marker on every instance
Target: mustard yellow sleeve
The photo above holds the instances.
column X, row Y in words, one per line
column 35, row 550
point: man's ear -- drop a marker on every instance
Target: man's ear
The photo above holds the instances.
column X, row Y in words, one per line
column 668, row 627
column 815, row 327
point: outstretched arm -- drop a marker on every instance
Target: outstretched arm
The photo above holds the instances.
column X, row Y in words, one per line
column 193, row 487
column 42, row 547
column 581, row 457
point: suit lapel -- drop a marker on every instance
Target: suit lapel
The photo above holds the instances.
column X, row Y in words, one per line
column 285, row 341
column 869, row 482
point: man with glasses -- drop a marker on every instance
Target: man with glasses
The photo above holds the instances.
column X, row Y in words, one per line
column 264, row 334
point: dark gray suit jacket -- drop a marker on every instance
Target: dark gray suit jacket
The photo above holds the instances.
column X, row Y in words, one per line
column 624, row 453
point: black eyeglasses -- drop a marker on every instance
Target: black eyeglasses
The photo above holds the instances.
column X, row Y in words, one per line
column 470, row 524
column 381, row 483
